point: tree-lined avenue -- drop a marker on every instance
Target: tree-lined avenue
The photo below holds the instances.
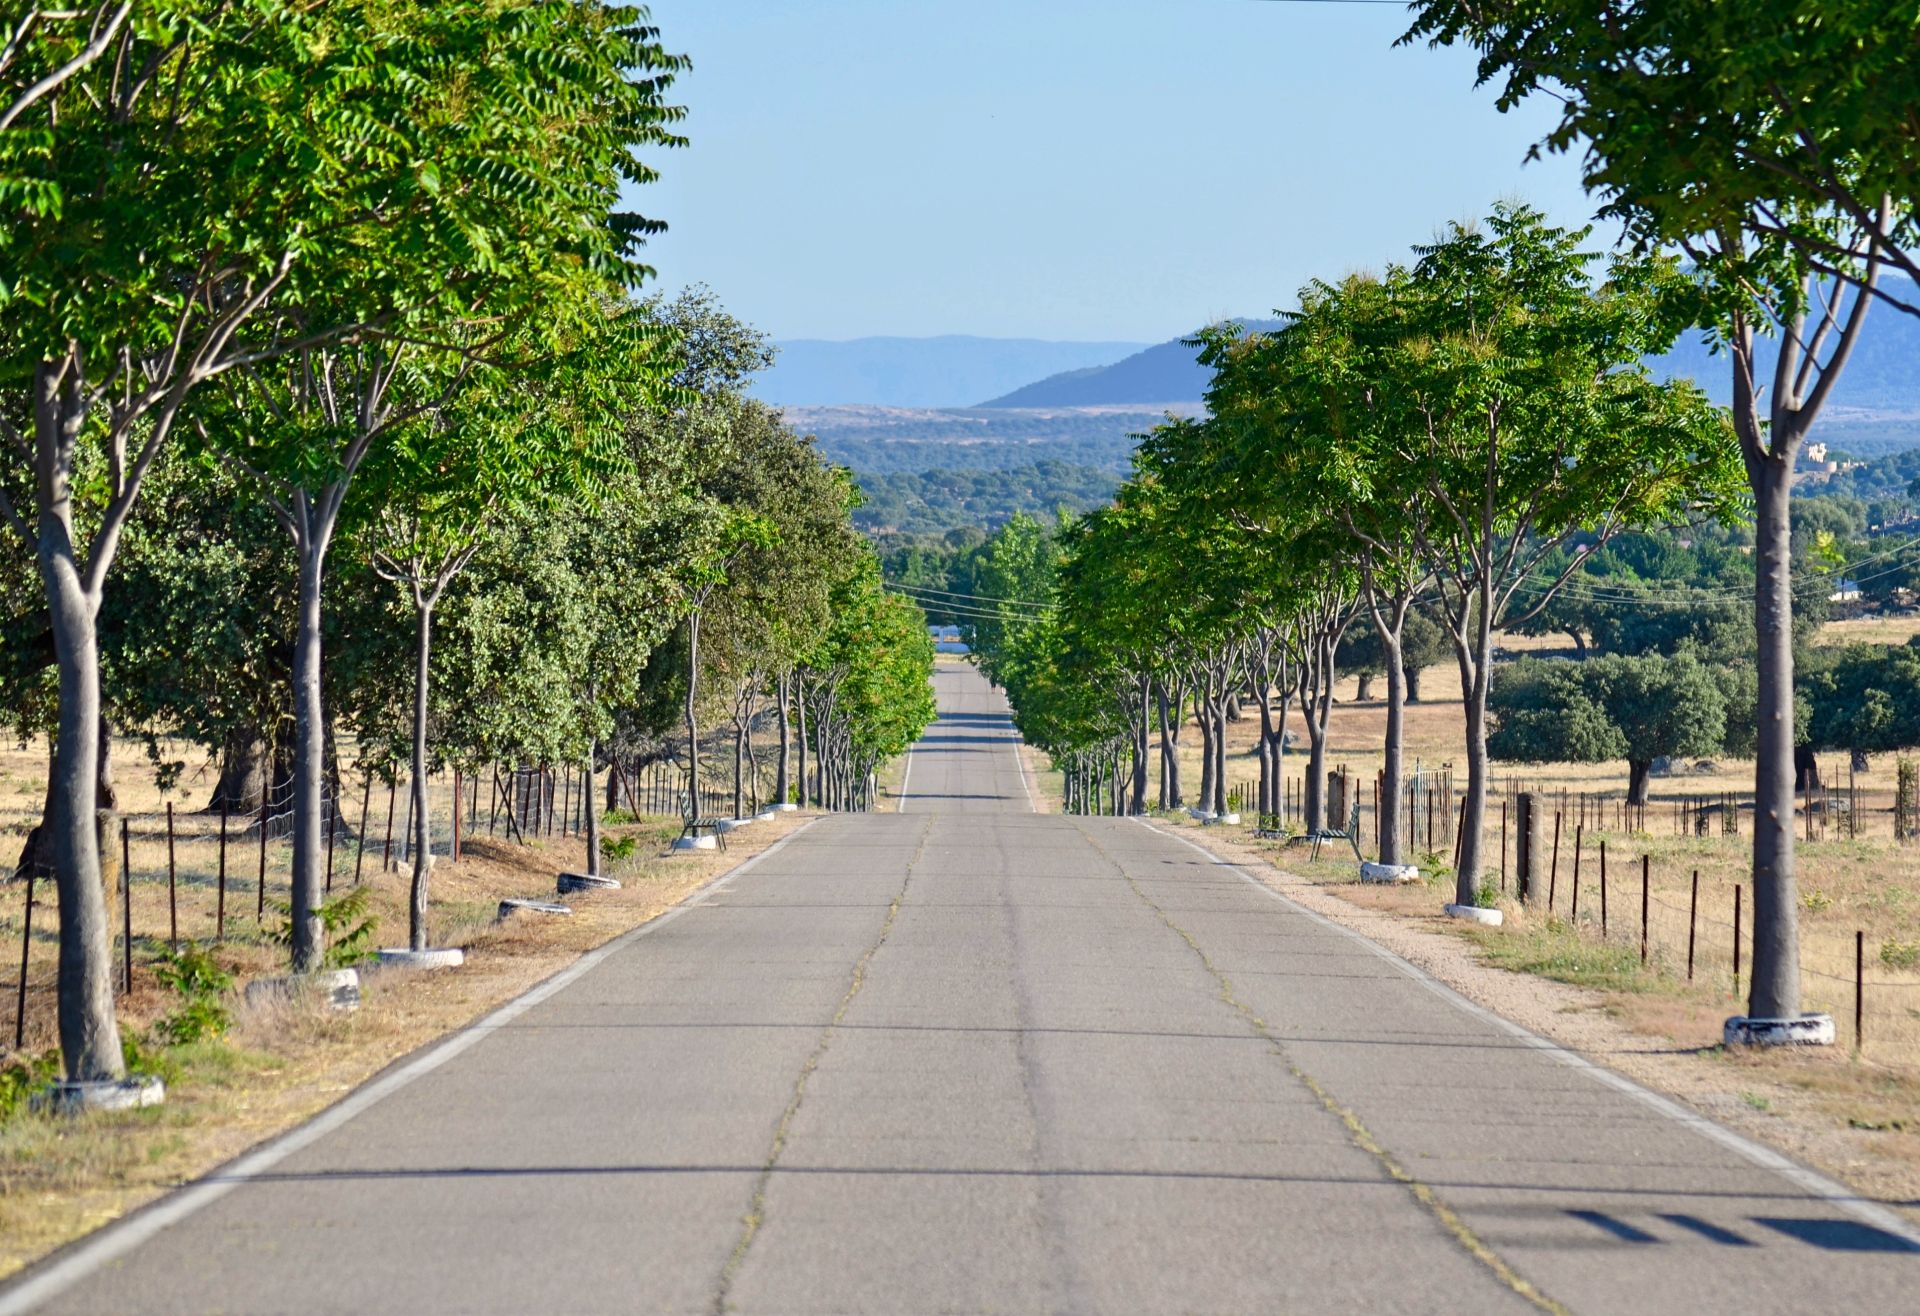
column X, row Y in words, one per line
column 971, row 1058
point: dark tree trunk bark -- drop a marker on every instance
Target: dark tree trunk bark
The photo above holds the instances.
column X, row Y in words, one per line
column 1638, row 771
column 1141, row 737
column 419, row 817
column 1219, row 802
column 739, row 767
column 1390, row 622
column 693, row 731
column 592, row 811
column 1205, row 719
column 246, row 773
column 89, row 1033
column 1411, row 676
column 1364, row 690
column 1775, row 986
column 309, row 736
column 1475, row 672
column 1170, row 743
column 781, row 783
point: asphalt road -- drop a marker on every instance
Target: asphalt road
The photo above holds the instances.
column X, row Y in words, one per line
column 969, row 1059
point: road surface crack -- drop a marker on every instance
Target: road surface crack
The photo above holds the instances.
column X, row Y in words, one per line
column 1357, row 1131
column 755, row 1217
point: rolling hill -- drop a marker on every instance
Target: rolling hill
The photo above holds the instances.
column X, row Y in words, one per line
column 949, row 371
column 1163, row 374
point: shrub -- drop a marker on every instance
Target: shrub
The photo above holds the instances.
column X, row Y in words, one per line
column 203, row 986
column 21, row 1079
column 348, row 943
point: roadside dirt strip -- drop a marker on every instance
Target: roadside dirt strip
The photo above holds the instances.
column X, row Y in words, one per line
column 966, row 1057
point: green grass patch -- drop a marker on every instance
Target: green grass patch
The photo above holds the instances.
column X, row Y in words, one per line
column 1558, row 952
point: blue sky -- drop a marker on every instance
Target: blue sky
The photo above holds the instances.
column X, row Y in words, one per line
column 1092, row 169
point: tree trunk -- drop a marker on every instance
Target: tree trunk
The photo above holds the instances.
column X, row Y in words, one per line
column 693, row 732
column 1473, row 690
column 309, row 748
column 1364, row 690
column 422, row 829
column 1394, row 768
column 1219, row 802
column 1638, row 770
column 89, row 1034
column 246, row 772
column 739, row 765
column 1170, row 794
column 1205, row 719
column 1141, row 737
column 1579, row 643
column 1776, row 937
column 593, row 813
column 1390, row 623
column 781, row 783
column 1411, row 676
column 1269, row 776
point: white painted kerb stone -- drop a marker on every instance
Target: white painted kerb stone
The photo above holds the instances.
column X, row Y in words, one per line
column 1493, row 918
column 399, row 957
column 131, row 1093
column 1395, row 873
column 1807, row 1030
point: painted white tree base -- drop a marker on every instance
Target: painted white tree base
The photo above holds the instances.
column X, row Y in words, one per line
column 1223, row 820
column 1391, row 873
column 443, row 957
column 691, row 843
column 1492, row 918
column 585, row 882
column 131, row 1093
column 340, row 987
column 1807, row 1030
column 788, row 807
column 508, row 908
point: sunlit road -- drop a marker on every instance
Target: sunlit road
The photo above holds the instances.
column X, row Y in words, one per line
column 969, row 1059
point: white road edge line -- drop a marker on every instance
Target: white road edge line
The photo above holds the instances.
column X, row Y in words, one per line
column 905, row 777
column 1811, row 1181
column 1020, row 762
column 114, row 1241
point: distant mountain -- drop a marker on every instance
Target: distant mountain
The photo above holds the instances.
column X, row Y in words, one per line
column 1883, row 374
column 1163, row 374
column 950, row 371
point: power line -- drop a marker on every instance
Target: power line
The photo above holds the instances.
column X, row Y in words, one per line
column 973, row 598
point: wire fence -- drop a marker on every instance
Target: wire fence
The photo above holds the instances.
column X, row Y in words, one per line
column 224, row 876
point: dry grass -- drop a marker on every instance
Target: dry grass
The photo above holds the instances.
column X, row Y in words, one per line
column 60, row 1178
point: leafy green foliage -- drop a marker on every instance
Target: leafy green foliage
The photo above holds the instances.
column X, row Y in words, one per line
column 1615, row 707
column 21, row 1078
column 344, row 920
column 1864, row 697
column 202, row 984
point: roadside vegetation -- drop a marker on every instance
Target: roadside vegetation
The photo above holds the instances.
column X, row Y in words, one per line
column 349, row 459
